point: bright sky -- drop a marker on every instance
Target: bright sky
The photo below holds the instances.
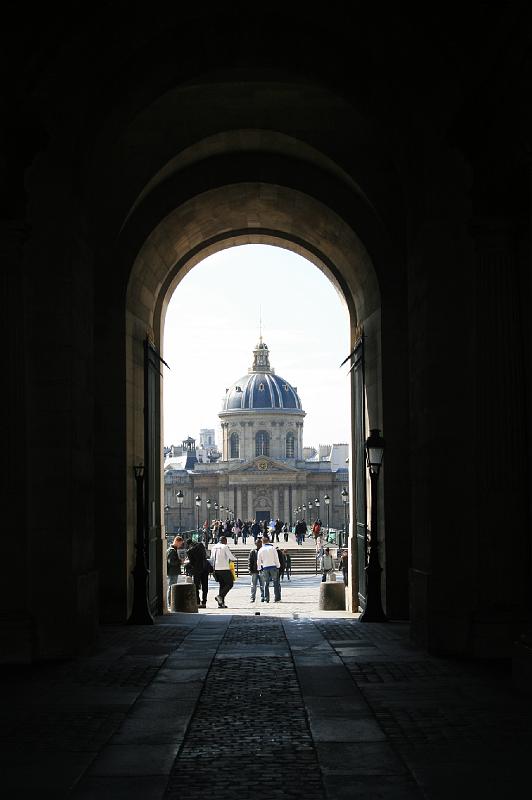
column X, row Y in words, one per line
column 212, row 326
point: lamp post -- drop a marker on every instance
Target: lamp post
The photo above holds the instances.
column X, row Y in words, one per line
column 216, row 507
column 327, row 501
column 166, row 512
column 140, row 614
column 345, row 500
column 304, row 510
column 179, row 499
column 198, row 504
column 309, row 504
column 374, row 455
column 208, row 504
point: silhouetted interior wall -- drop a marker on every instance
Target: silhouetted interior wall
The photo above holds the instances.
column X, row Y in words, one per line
column 415, row 133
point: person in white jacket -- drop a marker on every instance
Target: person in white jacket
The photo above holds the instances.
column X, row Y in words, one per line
column 327, row 564
column 268, row 568
column 221, row 556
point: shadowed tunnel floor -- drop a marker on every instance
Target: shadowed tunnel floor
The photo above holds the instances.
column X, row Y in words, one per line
column 326, row 707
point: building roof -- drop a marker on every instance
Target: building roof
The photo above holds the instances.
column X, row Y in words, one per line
column 261, row 388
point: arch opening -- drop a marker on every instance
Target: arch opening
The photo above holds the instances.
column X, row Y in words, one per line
column 231, row 216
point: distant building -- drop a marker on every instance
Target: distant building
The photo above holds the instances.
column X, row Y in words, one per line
column 263, row 471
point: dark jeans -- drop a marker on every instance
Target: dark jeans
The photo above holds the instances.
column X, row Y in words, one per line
column 225, row 579
column 202, row 582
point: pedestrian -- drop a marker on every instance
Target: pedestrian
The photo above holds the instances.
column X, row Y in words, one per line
column 288, row 569
column 173, row 564
column 301, row 531
column 199, row 569
column 268, row 566
column 245, row 532
column 221, row 556
column 327, row 564
column 253, row 571
column 236, row 532
column 285, row 531
column 282, row 563
column 255, row 530
column 277, row 528
column 316, row 528
column 344, row 566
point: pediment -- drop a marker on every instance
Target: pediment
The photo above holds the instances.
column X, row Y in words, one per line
column 264, row 465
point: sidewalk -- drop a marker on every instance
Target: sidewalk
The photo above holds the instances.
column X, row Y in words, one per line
column 329, row 708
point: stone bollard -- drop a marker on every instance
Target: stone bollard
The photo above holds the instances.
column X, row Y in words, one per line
column 332, row 596
column 183, row 598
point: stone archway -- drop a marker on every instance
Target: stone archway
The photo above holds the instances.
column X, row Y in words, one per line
column 228, row 216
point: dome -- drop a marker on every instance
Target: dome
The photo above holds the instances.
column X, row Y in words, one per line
column 261, row 391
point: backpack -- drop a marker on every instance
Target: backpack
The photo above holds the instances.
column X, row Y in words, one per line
column 252, row 563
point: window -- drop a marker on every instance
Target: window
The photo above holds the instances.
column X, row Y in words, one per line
column 261, row 387
column 234, row 446
column 262, row 444
column 290, row 445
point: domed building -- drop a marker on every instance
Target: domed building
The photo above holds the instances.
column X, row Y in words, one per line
column 262, row 473
column 262, row 414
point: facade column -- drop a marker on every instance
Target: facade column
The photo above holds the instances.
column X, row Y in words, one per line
column 251, row 510
column 239, row 511
column 286, row 508
column 275, row 503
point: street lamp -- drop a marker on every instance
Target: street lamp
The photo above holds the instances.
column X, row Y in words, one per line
column 140, row 614
column 166, row 511
column 208, row 504
column 179, row 499
column 304, row 510
column 345, row 500
column 327, row 500
column 198, row 504
column 309, row 504
column 374, row 455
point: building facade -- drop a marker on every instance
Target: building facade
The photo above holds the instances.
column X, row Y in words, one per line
column 262, row 473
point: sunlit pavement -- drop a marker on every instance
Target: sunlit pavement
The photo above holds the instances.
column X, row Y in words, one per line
column 299, row 595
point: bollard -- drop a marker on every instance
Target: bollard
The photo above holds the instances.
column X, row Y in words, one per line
column 183, row 598
column 332, row 596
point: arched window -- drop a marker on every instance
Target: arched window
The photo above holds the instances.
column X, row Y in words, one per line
column 234, row 446
column 262, row 443
column 290, row 445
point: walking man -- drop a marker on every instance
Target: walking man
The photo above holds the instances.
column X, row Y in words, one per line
column 344, row 566
column 288, row 559
column 199, row 568
column 221, row 557
column 256, row 530
column 173, row 564
column 301, row 531
column 268, row 566
column 253, row 571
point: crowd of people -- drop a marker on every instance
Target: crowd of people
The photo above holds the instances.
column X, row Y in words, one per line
column 238, row 529
column 267, row 564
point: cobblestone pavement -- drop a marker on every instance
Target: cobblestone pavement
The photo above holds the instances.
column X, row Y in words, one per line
column 250, row 720
column 328, row 707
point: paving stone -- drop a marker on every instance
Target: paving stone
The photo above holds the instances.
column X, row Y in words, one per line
column 373, row 788
column 135, row 759
column 121, row 788
column 354, row 758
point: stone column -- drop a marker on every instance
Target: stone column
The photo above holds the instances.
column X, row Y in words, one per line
column 251, row 510
column 286, row 509
column 239, row 511
column 275, row 503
